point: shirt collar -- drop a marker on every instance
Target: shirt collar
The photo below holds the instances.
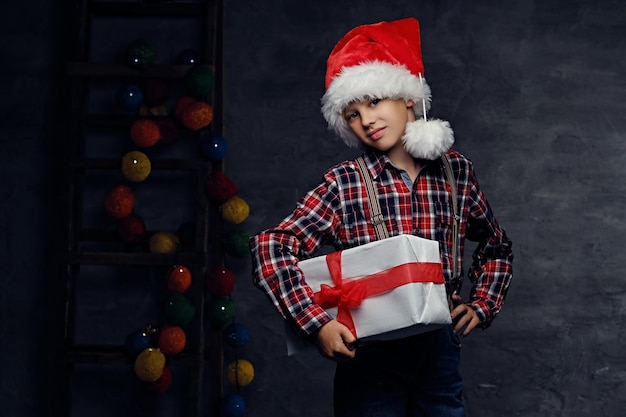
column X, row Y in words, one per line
column 376, row 161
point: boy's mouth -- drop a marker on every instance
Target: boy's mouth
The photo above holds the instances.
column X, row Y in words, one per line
column 376, row 133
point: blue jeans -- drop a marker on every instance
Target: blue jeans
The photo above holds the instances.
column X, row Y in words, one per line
column 413, row 377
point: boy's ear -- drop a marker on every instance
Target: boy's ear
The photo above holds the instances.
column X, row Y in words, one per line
column 409, row 103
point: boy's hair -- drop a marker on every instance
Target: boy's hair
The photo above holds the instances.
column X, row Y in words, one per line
column 383, row 60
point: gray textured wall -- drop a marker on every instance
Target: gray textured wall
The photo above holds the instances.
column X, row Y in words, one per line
column 534, row 91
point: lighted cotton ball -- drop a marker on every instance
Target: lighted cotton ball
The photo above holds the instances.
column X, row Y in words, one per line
column 172, row 340
column 240, row 373
column 197, row 115
column 236, row 243
column 156, row 92
column 233, row 405
column 221, row 310
column 219, row 187
column 178, row 310
column 214, row 147
column 235, row 210
column 138, row 341
column 200, row 81
column 129, row 97
column 187, row 56
column 220, row 282
column 149, row 365
column 119, row 202
column 145, row 133
column 131, row 229
column 178, row 279
column 169, row 130
column 164, row 242
column 236, row 335
column 141, row 53
column 136, row 166
column 162, row 384
column 181, row 105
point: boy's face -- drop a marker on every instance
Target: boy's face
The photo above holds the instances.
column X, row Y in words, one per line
column 379, row 123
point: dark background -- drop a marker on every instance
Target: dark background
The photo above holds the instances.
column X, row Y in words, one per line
column 535, row 94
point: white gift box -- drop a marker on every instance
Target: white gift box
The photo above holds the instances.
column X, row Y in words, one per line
column 398, row 281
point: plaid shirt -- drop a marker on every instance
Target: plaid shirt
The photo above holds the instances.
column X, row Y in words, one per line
column 337, row 213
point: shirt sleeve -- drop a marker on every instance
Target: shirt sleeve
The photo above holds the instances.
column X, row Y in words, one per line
column 492, row 267
column 275, row 254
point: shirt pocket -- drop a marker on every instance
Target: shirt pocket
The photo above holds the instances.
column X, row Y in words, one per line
column 355, row 229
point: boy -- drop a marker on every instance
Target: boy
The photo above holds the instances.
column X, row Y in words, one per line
column 376, row 97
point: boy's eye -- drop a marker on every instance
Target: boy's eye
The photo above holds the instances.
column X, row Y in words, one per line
column 374, row 101
column 351, row 115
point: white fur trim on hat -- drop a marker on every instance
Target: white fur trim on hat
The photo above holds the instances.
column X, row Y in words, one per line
column 374, row 80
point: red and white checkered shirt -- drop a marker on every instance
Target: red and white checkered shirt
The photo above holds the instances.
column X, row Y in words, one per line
column 337, row 213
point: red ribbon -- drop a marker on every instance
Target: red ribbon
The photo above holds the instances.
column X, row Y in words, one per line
column 348, row 294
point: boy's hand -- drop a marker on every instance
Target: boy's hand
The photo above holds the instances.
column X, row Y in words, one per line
column 463, row 316
column 334, row 341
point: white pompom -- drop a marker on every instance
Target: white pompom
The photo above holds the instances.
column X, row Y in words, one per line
column 428, row 139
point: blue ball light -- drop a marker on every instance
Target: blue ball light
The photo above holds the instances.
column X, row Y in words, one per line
column 187, row 57
column 236, row 335
column 214, row 147
column 233, row 405
column 138, row 341
column 129, row 97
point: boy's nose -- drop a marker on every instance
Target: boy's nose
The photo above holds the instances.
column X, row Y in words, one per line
column 368, row 118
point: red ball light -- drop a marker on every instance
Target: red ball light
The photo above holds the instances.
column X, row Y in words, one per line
column 119, row 202
column 162, row 384
column 156, row 92
column 131, row 229
column 220, row 282
column 145, row 133
column 169, row 130
column 172, row 340
column 179, row 279
column 181, row 105
column 220, row 188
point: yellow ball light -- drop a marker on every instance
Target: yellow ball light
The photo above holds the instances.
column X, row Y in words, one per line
column 235, row 210
column 164, row 242
column 136, row 166
column 149, row 365
column 240, row 373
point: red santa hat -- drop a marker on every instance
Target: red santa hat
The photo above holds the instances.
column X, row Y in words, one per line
column 384, row 60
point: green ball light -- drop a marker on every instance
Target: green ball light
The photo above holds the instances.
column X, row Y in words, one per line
column 178, row 310
column 221, row 311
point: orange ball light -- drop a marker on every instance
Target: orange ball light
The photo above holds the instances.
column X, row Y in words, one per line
column 119, row 202
column 172, row 340
column 178, row 279
column 145, row 133
column 197, row 115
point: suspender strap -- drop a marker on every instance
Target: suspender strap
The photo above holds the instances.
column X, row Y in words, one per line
column 372, row 196
column 457, row 218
